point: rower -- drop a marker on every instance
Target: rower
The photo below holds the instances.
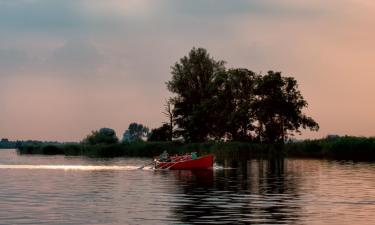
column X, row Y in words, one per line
column 164, row 157
column 194, row 155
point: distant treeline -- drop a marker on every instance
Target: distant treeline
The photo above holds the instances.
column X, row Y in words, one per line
column 346, row 148
column 5, row 143
column 150, row 149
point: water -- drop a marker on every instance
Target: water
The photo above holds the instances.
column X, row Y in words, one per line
column 79, row 190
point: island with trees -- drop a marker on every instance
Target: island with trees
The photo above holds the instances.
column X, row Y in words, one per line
column 213, row 109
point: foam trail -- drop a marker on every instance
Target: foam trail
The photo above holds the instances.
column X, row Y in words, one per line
column 218, row 167
column 70, row 167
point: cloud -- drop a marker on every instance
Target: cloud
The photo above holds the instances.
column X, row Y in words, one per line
column 75, row 58
column 128, row 8
column 224, row 8
column 54, row 17
column 40, row 15
column 13, row 60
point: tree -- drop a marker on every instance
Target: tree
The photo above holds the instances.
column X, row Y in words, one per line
column 136, row 132
column 168, row 112
column 211, row 102
column 278, row 108
column 192, row 83
column 160, row 134
column 233, row 103
column 103, row 136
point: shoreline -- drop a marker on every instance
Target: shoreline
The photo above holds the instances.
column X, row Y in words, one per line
column 341, row 148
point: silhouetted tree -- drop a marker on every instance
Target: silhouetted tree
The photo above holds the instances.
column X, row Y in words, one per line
column 278, row 108
column 192, row 83
column 136, row 132
column 160, row 134
column 237, row 104
column 168, row 112
column 233, row 104
column 103, row 136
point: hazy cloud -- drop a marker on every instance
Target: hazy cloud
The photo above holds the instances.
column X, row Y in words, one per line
column 13, row 60
column 40, row 15
column 76, row 57
column 224, row 8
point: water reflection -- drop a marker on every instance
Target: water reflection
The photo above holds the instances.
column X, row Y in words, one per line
column 77, row 190
column 257, row 191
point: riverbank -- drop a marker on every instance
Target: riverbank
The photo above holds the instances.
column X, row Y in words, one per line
column 148, row 149
column 346, row 148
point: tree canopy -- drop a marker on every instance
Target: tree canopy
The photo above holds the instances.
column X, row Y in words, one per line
column 233, row 103
column 162, row 133
column 278, row 108
column 212, row 102
column 136, row 132
column 103, row 136
column 192, row 82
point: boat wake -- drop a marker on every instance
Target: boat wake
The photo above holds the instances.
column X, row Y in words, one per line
column 218, row 167
column 72, row 167
column 87, row 167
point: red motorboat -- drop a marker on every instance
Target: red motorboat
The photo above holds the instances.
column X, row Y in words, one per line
column 186, row 163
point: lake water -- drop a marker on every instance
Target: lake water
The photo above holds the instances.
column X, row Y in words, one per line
column 79, row 190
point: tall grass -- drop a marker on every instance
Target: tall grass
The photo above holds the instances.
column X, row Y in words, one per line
column 349, row 148
column 150, row 149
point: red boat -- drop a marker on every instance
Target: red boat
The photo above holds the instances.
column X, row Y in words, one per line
column 182, row 163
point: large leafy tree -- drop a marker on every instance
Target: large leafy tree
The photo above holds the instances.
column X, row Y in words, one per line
column 211, row 102
column 278, row 108
column 103, row 136
column 234, row 101
column 192, row 84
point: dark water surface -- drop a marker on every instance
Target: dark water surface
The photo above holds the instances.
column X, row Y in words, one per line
column 79, row 190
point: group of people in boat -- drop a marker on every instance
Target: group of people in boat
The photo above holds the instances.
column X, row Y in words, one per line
column 165, row 157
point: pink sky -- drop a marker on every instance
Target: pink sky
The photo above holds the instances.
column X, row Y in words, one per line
column 69, row 67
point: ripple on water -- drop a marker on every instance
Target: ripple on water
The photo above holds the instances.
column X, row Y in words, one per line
column 78, row 190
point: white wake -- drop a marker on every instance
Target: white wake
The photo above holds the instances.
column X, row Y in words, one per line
column 72, row 167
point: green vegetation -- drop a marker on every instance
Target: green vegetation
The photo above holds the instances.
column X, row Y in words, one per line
column 346, row 148
column 162, row 133
column 136, row 132
column 6, row 144
column 146, row 149
column 103, row 136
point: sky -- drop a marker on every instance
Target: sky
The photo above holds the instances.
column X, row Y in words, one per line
column 68, row 67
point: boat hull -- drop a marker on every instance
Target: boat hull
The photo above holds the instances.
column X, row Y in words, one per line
column 201, row 163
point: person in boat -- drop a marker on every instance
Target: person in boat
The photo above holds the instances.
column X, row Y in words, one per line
column 164, row 157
